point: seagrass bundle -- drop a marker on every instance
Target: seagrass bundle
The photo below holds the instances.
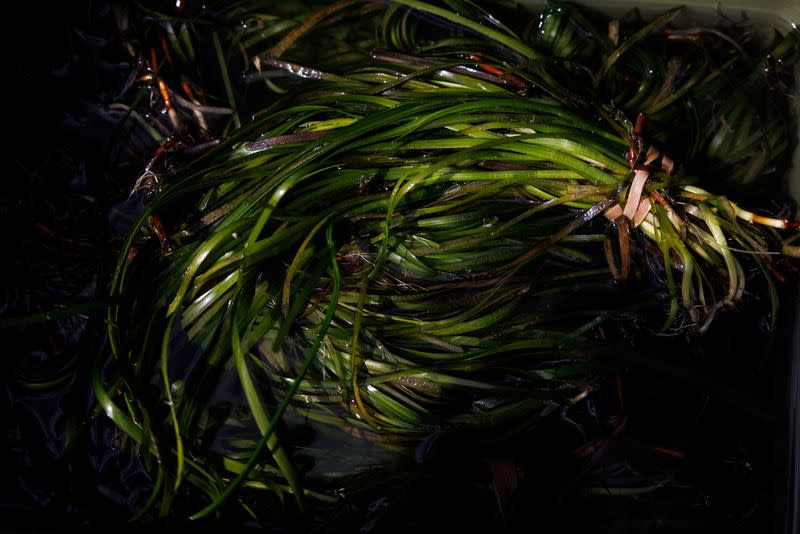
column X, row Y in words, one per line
column 441, row 224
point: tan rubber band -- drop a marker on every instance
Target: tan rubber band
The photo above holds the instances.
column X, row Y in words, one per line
column 635, row 193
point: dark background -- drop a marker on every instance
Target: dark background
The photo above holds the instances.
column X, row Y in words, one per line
column 65, row 173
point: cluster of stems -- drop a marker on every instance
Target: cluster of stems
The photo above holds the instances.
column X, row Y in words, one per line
column 437, row 230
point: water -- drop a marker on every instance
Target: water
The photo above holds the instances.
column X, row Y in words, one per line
column 69, row 176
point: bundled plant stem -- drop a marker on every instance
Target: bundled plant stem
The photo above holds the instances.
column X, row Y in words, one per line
column 439, row 230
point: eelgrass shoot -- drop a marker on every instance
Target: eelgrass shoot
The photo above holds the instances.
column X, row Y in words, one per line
column 429, row 228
